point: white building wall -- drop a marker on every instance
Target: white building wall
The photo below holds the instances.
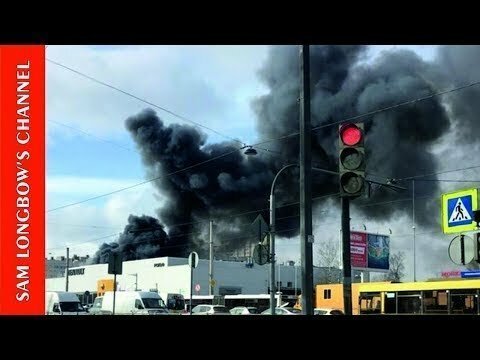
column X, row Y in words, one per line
column 169, row 274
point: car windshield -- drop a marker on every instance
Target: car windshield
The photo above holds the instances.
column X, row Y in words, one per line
column 153, row 303
column 319, row 312
column 220, row 310
column 71, row 306
column 253, row 310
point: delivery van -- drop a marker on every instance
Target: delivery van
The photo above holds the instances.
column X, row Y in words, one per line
column 63, row 303
column 133, row 303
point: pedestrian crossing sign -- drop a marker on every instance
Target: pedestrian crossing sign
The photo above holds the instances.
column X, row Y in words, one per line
column 457, row 211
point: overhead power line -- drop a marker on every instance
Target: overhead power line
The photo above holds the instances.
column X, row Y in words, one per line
column 255, row 211
column 143, row 100
column 144, row 182
column 439, row 173
column 374, row 112
column 93, row 136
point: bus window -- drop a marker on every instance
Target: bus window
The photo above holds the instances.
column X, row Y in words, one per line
column 463, row 302
column 435, row 302
column 409, row 302
column 390, row 303
column 370, row 303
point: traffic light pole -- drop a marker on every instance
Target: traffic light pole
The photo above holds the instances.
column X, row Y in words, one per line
column 306, row 236
column 347, row 265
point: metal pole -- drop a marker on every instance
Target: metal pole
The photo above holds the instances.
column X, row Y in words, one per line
column 272, row 250
column 279, row 279
column 413, row 227
column 295, row 280
column 347, row 266
column 114, row 291
column 68, row 266
column 191, row 289
column 210, row 267
column 272, row 239
column 340, row 247
column 136, row 282
column 306, row 183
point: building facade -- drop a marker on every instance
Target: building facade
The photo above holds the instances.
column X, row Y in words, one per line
column 55, row 267
column 172, row 275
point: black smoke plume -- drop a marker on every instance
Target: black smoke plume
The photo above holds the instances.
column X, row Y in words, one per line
column 399, row 143
column 142, row 238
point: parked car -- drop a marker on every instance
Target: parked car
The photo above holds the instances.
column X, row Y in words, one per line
column 210, row 310
column 283, row 311
column 321, row 311
column 244, row 310
column 96, row 308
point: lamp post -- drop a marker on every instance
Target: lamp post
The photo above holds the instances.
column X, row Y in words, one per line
column 272, row 239
column 250, row 151
column 413, row 228
column 272, row 231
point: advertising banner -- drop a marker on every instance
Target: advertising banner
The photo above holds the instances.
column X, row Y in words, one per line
column 369, row 251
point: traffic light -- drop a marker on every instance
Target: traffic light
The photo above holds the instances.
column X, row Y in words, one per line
column 351, row 159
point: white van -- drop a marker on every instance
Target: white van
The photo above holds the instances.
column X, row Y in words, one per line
column 63, row 303
column 134, row 303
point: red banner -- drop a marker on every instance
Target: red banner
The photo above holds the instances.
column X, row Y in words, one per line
column 358, row 249
column 22, row 180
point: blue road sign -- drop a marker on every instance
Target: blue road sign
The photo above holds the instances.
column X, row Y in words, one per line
column 458, row 211
column 470, row 274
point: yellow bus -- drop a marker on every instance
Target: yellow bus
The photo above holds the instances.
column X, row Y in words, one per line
column 459, row 296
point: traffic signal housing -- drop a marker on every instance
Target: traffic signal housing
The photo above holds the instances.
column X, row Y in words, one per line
column 351, row 159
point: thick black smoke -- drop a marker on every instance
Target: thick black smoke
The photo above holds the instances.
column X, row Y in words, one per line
column 459, row 64
column 213, row 190
column 142, row 238
column 399, row 142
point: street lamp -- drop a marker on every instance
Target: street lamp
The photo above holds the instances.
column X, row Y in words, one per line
column 272, row 239
column 250, row 151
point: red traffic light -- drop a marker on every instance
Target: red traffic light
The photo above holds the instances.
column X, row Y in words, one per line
column 350, row 134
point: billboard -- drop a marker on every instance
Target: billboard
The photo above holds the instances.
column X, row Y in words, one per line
column 358, row 250
column 369, row 251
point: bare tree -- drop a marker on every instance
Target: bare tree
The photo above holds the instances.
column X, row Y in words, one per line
column 397, row 267
column 328, row 257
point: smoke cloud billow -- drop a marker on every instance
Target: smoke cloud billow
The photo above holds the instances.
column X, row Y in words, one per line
column 142, row 238
column 399, row 144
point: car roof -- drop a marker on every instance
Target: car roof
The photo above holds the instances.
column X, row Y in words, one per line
column 244, row 307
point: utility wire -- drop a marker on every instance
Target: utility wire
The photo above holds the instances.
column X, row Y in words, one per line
column 84, row 226
column 254, row 211
column 143, row 100
column 438, row 173
column 93, row 136
column 144, row 182
column 448, row 180
column 409, row 102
